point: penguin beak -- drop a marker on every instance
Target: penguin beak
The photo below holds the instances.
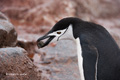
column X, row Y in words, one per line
column 42, row 44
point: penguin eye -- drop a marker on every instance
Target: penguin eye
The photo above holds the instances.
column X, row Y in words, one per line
column 58, row 32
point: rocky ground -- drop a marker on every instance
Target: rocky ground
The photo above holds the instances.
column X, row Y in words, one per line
column 32, row 19
column 14, row 62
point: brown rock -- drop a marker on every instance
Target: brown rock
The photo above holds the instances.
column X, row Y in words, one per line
column 15, row 65
column 8, row 35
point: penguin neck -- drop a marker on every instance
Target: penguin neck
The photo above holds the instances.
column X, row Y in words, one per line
column 70, row 35
column 80, row 58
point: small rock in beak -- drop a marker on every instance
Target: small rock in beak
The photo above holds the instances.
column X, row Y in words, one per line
column 40, row 44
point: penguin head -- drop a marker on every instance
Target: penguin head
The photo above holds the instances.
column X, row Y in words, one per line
column 62, row 30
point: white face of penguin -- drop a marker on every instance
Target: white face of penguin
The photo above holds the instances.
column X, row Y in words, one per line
column 65, row 34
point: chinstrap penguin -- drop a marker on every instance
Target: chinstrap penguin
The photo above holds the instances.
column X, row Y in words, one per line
column 98, row 53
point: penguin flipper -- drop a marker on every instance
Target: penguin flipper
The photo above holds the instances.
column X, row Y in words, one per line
column 90, row 59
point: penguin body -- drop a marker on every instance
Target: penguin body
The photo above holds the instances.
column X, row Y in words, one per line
column 98, row 53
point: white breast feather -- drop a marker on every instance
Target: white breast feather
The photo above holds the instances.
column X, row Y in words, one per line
column 80, row 59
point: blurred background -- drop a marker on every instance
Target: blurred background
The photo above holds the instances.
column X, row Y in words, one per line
column 33, row 18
